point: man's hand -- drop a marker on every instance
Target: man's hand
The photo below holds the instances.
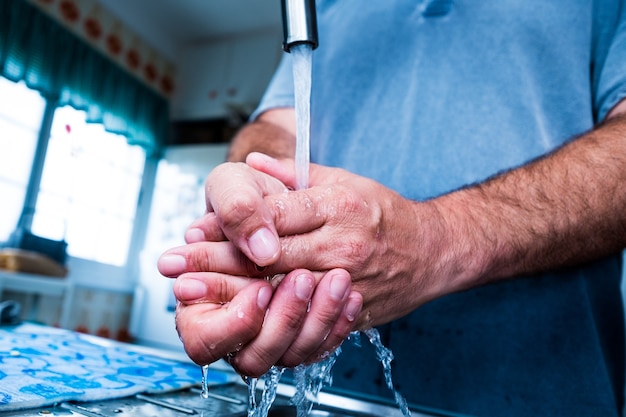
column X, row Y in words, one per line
column 254, row 328
column 342, row 221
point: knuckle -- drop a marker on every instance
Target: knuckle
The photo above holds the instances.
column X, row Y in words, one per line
column 291, row 322
column 295, row 356
column 234, row 209
column 201, row 259
column 352, row 203
column 354, row 248
column 252, row 362
column 324, row 319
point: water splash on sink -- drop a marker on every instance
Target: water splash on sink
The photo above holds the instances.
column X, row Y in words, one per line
column 270, row 386
column 310, row 379
column 385, row 356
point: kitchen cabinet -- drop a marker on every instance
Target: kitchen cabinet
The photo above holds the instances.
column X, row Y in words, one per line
column 66, row 303
column 218, row 77
column 42, row 298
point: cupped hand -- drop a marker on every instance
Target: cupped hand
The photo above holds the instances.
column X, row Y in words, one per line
column 390, row 246
column 255, row 327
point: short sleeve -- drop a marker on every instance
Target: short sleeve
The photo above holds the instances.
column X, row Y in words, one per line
column 279, row 92
column 611, row 87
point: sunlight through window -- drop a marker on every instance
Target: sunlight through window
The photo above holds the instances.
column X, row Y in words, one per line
column 89, row 189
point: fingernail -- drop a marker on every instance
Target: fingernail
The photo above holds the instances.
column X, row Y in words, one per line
column 353, row 308
column 263, row 244
column 304, row 287
column 339, row 285
column 194, row 235
column 263, row 297
column 265, row 157
column 191, row 289
column 171, row 265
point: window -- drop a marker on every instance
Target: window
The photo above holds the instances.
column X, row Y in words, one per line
column 21, row 113
column 89, row 189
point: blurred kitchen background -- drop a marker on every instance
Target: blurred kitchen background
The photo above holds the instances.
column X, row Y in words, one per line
column 112, row 113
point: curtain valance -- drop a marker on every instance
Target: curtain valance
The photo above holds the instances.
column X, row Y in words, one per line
column 52, row 60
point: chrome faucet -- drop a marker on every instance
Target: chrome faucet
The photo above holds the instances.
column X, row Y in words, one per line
column 299, row 23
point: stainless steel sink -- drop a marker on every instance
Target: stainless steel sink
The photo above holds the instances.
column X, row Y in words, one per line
column 226, row 401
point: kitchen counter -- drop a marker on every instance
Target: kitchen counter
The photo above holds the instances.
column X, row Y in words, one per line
column 229, row 400
column 55, row 372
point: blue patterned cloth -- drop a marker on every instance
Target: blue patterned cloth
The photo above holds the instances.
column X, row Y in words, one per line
column 41, row 366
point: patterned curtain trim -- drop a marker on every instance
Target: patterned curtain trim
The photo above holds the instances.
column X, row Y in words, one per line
column 52, row 60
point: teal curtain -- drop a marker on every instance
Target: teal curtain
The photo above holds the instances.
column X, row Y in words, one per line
column 54, row 61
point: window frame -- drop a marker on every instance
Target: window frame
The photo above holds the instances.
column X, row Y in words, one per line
column 81, row 269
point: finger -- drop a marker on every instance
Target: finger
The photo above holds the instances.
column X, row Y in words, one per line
column 342, row 328
column 283, row 170
column 221, row 257
column 208, row 287
column 284, row 318
column 209, row 331
column 327, row 305
column 235, row 193
column 205, row 228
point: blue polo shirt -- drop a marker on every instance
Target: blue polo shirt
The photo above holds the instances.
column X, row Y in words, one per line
column 430, row 96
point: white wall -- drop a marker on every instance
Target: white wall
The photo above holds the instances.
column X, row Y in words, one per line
column 215, row 75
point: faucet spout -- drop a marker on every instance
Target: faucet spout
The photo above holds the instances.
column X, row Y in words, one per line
column 299, row 23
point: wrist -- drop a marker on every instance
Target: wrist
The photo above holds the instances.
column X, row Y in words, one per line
column 459, row 243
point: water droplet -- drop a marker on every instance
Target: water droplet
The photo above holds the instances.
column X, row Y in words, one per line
column 205, row 382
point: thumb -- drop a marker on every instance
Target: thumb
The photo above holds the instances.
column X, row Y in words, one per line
column 283, row 170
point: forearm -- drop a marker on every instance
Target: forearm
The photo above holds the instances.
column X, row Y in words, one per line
column 564, row 209
column 268, row 135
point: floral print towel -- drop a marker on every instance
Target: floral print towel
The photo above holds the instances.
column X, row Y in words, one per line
column 41, row 365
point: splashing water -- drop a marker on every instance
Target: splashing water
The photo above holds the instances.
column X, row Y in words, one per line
column 385, row 356
column 252, row 383
column 270, row 386
column 312, row 378
column 301, row 64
